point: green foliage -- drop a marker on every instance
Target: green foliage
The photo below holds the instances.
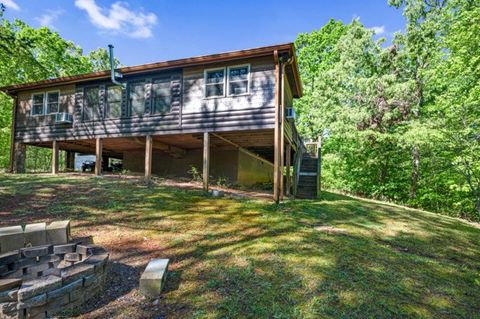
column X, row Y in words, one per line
column 195, row 174
column 28, row 54
column 399, row 122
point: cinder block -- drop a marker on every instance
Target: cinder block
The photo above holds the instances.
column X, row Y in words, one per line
column 11, row 238
column 33, row 252
column 85, row 250
column 9, row 295
column 9, row 257
column 153, row 278
column 35, row 234
column 8, row 284
column 64, row 249
column 34, row 287
column 76, row 272
column 58, row 232
column 38, row 300
column 99, row 261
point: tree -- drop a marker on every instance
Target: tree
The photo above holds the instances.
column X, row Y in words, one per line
column 28, row 54
column 400, row 122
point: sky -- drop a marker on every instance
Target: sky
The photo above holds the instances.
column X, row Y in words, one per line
column 158, row 30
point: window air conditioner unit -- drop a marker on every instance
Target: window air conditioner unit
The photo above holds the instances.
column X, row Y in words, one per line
column 63, row 118
column 290, row 113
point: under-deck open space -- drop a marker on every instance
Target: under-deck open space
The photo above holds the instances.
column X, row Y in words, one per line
column 240, row 158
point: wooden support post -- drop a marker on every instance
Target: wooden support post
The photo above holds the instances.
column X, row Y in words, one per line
column 12, row 138
column 148, row 157
column 70, row 161
column 55, row 151
column 282, row 130
column 206, row 160
column 276, row 142
column 98, row 156
column 287, row 165
column 18, row 162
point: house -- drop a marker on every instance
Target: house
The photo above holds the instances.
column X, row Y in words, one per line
column 227, row 114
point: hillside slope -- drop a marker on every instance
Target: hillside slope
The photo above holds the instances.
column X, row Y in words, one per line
column 339, row 257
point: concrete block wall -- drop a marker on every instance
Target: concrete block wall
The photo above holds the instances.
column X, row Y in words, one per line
column 222, row 163
column 237, row 167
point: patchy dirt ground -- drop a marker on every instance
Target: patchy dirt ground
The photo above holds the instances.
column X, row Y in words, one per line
column 243, row 256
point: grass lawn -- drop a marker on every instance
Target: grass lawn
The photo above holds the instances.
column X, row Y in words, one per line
column 339, row 257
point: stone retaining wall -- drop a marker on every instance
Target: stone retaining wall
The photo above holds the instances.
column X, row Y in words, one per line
column 38, row 282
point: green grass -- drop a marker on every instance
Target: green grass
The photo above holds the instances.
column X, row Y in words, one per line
column 339, row 257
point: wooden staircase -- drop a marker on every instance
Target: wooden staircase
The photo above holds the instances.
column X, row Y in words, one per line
column 307, row 180
column 308, row 184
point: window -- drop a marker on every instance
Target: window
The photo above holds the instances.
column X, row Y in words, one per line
column 137, row 98
column 53, row 103
column 114, row 101
column 215, row 82
column 161, row 95
column 91, row 103
column 37, row 103
column 238, row 78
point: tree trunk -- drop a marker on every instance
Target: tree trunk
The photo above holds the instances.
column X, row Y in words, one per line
column 415, row 172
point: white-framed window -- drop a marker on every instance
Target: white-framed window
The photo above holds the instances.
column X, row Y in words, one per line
column 38, row 103
column 238, row 79
column 214, row 82
column 53, row 102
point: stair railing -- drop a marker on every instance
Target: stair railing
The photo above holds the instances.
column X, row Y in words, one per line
column 314, row 149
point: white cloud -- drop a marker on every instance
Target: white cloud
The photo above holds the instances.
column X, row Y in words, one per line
column 10, row 4
column 119, row 18
column 378, row 29
column 49, row 17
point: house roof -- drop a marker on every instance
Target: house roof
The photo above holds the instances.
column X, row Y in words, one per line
column 138, row 69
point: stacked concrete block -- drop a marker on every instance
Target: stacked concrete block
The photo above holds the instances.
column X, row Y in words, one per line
column 35, row 234
column 153, row 278
column 42, row 286
column 58, row 232
column 11, row 238
column 38, row 234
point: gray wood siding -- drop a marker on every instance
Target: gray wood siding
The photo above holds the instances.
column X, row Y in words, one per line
column 261, row 88
column 190, row 112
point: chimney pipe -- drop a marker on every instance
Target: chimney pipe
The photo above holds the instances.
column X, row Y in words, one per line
column 114, row 74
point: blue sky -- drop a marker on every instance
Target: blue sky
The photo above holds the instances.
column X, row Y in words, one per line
column 150, row 31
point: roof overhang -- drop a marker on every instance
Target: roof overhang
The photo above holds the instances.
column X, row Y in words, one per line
column 193, row 61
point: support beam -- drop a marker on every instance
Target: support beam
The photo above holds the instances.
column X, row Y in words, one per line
column 276, row 142
column 282, row 129
column 244, row 150
column 288, row 157
column 12, row 136
column 206, row 160
column 148, row 157
column 19, row 155
column 98, row 156
column 55, row 151
column 70, row 161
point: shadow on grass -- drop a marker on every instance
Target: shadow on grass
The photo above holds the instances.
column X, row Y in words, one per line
column 254, row 259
